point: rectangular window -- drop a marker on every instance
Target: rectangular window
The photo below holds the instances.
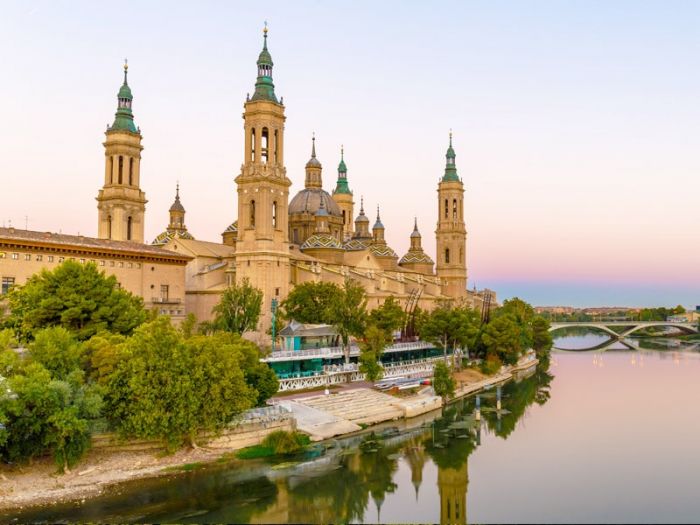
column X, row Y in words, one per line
column 39, row 258
column 82, row 261
column 2, row 255
column 164, row 292
column 7, row 283
column 121, row 264
column 111, row 263
column 138, row 265
column 130, row 265
column 50, row 257
column 102, row 263
column 15, row 256
column 27, row 257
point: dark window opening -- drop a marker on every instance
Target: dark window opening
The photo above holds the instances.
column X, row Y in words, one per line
column 121, row 168
column 252, row 214
column 447, row 255
column 128, row 229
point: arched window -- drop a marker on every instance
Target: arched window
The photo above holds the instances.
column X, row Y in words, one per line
column 111, row 170
column 131, row 172
column 128, row 229
column 274, row 214
column 447, row 255
column 109, row 223
column 447, row 208
column 252, row 214
column 252, row 145
column 345, row 221
column 121, row 168
column 264, row 145
column 461, row 254
column 454, row 209
column 276, row 146
column 295, row 236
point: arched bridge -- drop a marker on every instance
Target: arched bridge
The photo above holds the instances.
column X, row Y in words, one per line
column 627, row 327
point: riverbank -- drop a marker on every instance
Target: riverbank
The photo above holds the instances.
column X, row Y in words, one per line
column 104, row 469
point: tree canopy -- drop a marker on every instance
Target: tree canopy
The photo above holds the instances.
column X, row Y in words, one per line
column 77, row 297
column 371, row 350
column 239, row 308
column 389, row 317
column 348, row 313
column 311, row 302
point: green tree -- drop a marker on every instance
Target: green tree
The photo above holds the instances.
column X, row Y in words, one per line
column 188, row 326
column 168, row 388
column 57, row 350
column 311, row 302
column 239, row 308
column 502, row 337
column 100, row 356
column 46, row 415
column 443, row 382
column 389, row 317
column 348, row 313
column 523, row 314
column 450, row 327
column 541, row 336
column 371, row 350
column 77, row 297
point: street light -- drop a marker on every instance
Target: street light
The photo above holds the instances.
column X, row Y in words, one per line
column 274, row 322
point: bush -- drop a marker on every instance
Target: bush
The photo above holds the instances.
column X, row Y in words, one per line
column 491, row 365
column 443, row 382
column 282, row 442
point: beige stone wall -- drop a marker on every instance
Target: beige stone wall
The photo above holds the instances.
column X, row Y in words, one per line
column 139, row 276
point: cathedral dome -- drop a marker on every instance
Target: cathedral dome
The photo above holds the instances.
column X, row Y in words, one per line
column 309, row 200
column 322, row 241
column 416, row 258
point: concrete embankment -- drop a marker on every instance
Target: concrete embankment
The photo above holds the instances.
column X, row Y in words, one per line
column 324, row 416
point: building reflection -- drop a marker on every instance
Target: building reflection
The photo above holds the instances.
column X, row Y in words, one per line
column 352, row 484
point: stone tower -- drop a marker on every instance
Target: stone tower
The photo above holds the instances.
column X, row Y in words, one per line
column 121, row 204
column 451, row 234
column 343, row 197
column 262, row 243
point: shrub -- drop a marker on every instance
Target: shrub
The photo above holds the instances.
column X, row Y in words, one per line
column 283, row 442
column 491, row 365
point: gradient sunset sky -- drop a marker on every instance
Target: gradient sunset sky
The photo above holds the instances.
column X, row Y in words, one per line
column 576, row 124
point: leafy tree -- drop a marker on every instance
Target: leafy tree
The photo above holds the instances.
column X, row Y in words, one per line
column 77, row 297
column 450, row 327
column 311, row 302
column 168, row 388
column 239, row 308
column 100, row 356
column 443, row 382
column 188, row 326
column 48, row 415
column 57, row 350
column 523, row 314
column 541, row 337
column 348, row 313
column 371, row 352
column 389, row 317
column 502, row 337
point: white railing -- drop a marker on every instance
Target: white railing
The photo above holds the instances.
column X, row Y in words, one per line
column 334, row 375
column 330, row 352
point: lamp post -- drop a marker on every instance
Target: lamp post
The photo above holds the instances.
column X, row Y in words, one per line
column 274, row 322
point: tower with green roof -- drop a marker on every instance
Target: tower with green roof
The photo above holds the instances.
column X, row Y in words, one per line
column 343, row 197
column 262, row 237
column 451, row 232
column 121, row 204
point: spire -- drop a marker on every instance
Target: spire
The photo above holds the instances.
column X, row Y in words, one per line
column 124, row 118
column 264, row 88
column 177, row 205
column 378, row 225
column 342, row 184
column 415, row 233
column 450, row 166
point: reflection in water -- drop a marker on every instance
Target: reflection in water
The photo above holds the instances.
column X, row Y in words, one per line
column 348, row 482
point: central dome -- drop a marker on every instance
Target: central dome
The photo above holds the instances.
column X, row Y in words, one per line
column 309, row 200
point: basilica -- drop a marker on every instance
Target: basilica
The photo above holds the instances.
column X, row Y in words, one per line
column 273, row 240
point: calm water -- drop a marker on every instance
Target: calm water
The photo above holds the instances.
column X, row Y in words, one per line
column 599, row 437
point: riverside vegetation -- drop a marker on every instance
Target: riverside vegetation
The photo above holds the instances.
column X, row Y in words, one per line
column 80, row 355
column 90, row 358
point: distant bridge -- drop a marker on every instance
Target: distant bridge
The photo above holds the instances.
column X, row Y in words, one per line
column 628, row 328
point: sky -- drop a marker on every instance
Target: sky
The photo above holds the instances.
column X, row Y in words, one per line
column 576, row 124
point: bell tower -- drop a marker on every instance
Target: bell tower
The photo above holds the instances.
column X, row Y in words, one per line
column 343, row 197
column 121, row 204
column 451, row 233
column 262, row 245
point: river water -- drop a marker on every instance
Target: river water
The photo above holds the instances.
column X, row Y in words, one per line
column 597, row 437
